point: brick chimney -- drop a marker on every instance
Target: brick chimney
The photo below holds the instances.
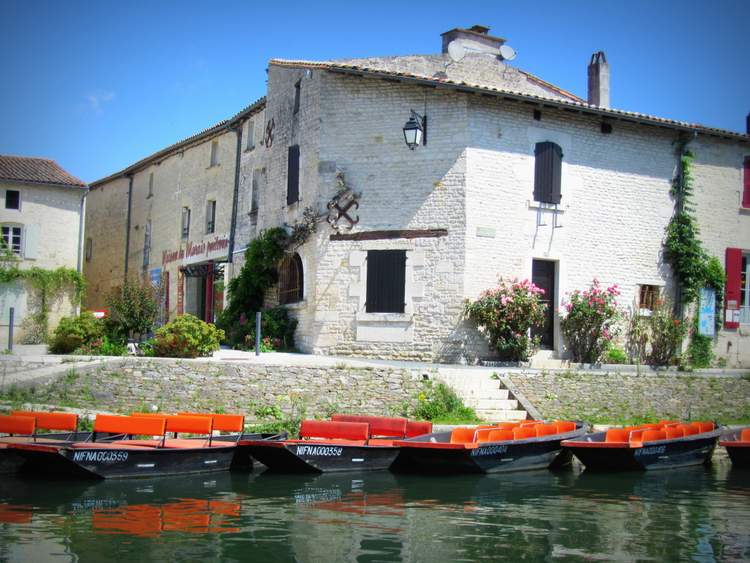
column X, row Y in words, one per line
column 599, row 80
column 476, row 39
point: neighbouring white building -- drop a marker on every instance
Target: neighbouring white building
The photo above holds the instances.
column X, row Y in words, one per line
column 511, row 177
column 41, row 219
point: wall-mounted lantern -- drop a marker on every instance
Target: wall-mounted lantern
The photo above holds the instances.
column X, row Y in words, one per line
column 415, row 130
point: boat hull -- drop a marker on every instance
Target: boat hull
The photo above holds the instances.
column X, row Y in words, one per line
column 124, row 461
column 739, row 455
column 490, row 457
column 11, row 462
column 315, row 457
column 665, row 454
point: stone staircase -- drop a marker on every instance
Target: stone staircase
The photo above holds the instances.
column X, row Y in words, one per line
column 485, row 394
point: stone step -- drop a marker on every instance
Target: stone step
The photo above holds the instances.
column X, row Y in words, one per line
column 495, row 415
column 496, row 404
column 466, row 393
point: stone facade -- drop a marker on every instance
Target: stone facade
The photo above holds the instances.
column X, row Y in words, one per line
column 617, row 398
column 50, row 222
column 462, row 205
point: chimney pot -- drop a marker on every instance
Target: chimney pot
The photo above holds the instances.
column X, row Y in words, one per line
column 599, row 80
column 477, row 37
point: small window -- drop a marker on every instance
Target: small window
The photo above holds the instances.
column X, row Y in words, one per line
column 547, row 173
column 210, row 216
column 292, row 179
column 386, row 281
column 648, row 297
column 147, row 245
column 12, row 199
column 250, row 135
column 291, row 280
column 185, row 223
column 297, row 90
column 12, row 239
column 746, row 183
column 255, row 195
column 89, row 249
column 214, row 153
column 150, row 185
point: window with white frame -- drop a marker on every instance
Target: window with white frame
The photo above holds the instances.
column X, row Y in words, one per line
column 13, row 238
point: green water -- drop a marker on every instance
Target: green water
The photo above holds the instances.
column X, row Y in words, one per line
column 694, row 514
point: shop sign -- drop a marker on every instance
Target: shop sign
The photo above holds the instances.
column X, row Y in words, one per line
column 194, row 252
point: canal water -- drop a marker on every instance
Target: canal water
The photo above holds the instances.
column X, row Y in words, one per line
column 694, row 514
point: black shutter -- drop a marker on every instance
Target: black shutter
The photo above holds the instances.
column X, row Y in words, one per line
column 292, row 183
column 386, row 280
column 548, row 172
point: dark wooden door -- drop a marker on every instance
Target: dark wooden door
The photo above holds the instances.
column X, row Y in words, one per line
column 543, row 276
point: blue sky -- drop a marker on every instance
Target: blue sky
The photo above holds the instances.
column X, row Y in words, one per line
column 97, row 85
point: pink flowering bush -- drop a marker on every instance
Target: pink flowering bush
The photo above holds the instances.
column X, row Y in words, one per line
column 589, row 322
column 506, row 313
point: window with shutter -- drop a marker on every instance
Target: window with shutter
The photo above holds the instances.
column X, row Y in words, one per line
column 255, row 195
column 185, row 223
column 386, row 281
column 210, row 216
column 733, row 290
column 746, row 183
column 12, row 239
column 292, row 182
column 548, row 172
column 147, row 245
column 250, row 135
column 291, row 280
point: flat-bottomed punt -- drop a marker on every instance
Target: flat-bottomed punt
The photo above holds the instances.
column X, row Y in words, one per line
column 22, row 427
column 662, row 445
column 129, row 457
column 503, row 447
column 737, row 444
column 345, row 443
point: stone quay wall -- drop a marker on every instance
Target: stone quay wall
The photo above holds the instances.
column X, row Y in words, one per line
column 135, row 384
column 621, row 398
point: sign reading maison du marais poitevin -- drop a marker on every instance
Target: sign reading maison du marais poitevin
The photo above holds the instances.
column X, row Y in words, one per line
column 194, row 252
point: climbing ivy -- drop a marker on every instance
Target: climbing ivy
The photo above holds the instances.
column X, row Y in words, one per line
column 694, row 268
column 47, row 285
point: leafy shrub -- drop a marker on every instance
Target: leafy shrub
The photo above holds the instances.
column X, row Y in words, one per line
column 73, row 332
column 614, row 355
column 440, row 403
column 187, row 337
column 247, row 291
column 700, row 350
column 506, row 313
column 636, row 336
column 275, row 325
column 667, row 333
column 589, row 324
column 103, row 346
column 133, row 308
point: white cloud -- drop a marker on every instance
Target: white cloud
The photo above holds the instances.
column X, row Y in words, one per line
column 95, row 101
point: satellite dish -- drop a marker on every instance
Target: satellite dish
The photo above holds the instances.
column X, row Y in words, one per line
column 456, row 51
column 507, row 52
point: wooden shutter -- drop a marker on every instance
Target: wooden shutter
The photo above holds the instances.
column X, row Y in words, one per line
column 31, row 246
column 292, row 183
column 746, row 183
column 733, row 290
column 386, row 280
column 547, row 172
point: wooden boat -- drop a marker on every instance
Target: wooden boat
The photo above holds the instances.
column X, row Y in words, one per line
column 24, row 427
column 661, row 445
column 737, row 444
column 131, row 457
column 503, row 447
column 345, row 443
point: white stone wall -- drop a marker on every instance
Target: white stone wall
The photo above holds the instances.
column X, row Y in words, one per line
column 50, row 220
column 723, row 224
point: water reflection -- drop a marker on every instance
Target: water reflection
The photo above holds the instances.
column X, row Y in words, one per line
column 700, row 514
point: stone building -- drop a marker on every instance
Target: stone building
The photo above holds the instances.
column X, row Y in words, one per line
column 41, row 219
column 512, row 177
column 168, row 218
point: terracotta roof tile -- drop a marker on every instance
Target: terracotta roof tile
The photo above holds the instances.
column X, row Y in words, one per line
column 36, row 171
